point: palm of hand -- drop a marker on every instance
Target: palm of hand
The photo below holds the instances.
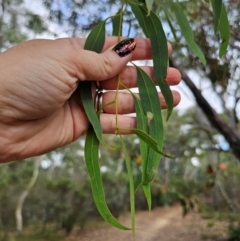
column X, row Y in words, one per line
column 40, row 107
column 39, row 110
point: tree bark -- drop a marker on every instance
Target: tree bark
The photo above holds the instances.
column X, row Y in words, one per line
column 221, row 126
column 18, row 211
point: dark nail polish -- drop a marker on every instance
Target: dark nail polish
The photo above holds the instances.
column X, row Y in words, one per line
column 125, row 47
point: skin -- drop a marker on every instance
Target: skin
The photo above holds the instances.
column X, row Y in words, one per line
column 40, row 109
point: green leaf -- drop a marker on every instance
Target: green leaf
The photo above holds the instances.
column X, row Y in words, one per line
column 138, row 14
column 197, row 51
column 187, row 32
column 183, row 23
column 153, row 29
column 131, row 185
column 149, row 4
column 91, row 157
column 151, row 104
column 96, row 38
column 147, row 193
column 160, row 55
column 150, row 142
column 85, row 90
column 224, row 29
column 170, row 24
column 221, row 24
column 117, row 24
column 217, row 10
column 95, row 42
column 142, row 124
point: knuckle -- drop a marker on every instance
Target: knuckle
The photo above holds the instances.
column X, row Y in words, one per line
column 107, row 66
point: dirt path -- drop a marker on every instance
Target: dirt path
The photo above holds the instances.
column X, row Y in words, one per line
column 162, row 224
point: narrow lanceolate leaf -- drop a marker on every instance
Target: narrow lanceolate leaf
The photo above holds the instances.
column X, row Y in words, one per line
column 131, row 186
column 224, row 30
column 85, row 90
column 138, row 14
column 117, row 24
column 159, row 54
column 96, row 38
column 147, row 192
column 91, row 157
column 187, row 32
column 217, row 10
column 150, row 142
column 170, row 24
column 94, row 42
column 151, row 104
column 149, row 4
column 142, row 124
column 153, row 29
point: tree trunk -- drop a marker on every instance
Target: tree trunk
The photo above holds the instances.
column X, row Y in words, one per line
column 223, row 128
column 18, row 211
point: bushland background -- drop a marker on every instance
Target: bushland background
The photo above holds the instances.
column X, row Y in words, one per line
column 49, row 197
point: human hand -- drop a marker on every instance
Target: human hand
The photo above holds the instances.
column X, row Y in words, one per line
column 40, row 109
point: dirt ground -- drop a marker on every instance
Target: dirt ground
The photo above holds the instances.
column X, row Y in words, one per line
column 162, row 224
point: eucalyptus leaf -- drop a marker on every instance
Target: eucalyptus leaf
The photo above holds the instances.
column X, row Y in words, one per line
column 217, row 10
column 131, row 185
column 151, row 104
column 96, row 38
column 170, row 23
column 142, row 124
column 160, row 56
column 94, row 42
column 85, row 90
column 224, row 29
column 150, row 142
column 187, row 32
column 139, row 16
column 117, row 24
column 91, row 157
column 153, row 29
column 147, row 192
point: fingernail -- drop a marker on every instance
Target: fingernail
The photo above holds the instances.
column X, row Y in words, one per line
column 125, row 47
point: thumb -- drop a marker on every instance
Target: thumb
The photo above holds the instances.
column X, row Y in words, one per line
column 108, row 64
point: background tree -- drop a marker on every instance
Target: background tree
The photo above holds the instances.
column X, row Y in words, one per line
column 200, row 139
column 24, row 194
column 220, row 76
column 18, row 23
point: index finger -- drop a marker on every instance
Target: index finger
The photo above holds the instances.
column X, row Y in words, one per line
column 143, row 50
